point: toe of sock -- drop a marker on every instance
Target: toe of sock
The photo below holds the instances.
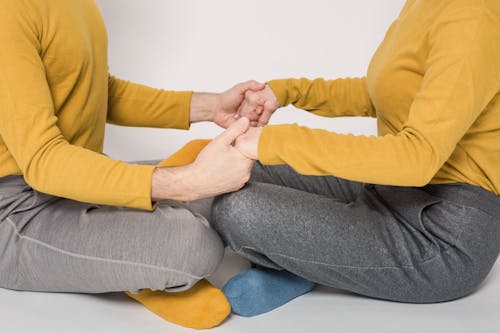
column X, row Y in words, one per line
column 257, row 291
column 201, row 307
column 213, row 312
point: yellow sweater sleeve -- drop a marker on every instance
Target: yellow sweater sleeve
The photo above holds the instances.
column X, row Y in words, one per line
column 462, row 75
column 132, row 104
column 328, row 98
column 29, row 128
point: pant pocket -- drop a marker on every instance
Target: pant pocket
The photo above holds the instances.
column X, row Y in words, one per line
column 439, row 220
column 409, row 206
column 444, row 221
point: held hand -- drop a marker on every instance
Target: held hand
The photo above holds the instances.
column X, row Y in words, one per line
column 228, row 102
column 258, row 106
column 248, row 143
column 220, row 168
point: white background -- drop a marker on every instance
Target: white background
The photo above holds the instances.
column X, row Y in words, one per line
column 211, row 45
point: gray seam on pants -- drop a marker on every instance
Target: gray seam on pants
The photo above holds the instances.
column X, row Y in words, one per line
column 345, row 266
column 81, row 256
column 461, row 230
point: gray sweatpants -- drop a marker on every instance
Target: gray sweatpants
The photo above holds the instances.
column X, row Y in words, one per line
column 53, row 244
column 408, row 244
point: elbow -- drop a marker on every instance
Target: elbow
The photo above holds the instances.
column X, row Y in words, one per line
column 38, row 169
column 32, row 177
column 427, row 170
column 416, row 178
column 33, row 172
column 423, row 180
column 424, row 158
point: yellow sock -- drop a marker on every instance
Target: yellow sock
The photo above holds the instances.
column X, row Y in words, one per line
column 185, row 155
column 203, row 306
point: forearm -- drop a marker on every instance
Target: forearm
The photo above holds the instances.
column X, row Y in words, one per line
column 208, row 168
column 163, row 107
column 203, row 107
column 330, row 98
column 64, row 170
column 132, row 104
column 174, row 183
column 406, row 159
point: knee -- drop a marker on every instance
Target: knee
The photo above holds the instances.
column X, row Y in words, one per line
column 205, row 252
column 195, row 254
column 235, row 216
column 224, row 211
column 185, row 244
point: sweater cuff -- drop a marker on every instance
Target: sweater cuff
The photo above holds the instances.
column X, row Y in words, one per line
column 182, row 118
column 271, row 140
column 280, row 90
column 142, row 183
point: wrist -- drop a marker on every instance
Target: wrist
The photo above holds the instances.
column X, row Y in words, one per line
column 280, row 91
column 203, row 107
column 174, row 183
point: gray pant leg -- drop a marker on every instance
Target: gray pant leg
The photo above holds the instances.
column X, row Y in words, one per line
column 341, row 189
column 59, row 245
column 396, row 243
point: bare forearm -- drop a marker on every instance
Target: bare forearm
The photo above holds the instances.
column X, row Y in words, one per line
column 203, row 107
column 218, row 168
column 174, row 183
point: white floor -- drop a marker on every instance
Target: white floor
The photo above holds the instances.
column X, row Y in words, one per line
column 323, row 310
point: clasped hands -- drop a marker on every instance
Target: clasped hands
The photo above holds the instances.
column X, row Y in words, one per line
column 252, row 100
column 243, row 110
column 225, row 164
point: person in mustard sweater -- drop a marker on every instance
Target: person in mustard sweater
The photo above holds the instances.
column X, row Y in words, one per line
column 75, row 220
column 410, row 215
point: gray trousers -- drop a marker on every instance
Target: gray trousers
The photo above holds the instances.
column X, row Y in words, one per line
column 430, row 244
column 53, row 244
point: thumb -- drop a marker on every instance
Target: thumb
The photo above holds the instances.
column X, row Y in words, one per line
column 236, row 129
column 251, row 85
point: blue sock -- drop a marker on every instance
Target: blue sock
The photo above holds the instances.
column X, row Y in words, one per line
column 259, row 290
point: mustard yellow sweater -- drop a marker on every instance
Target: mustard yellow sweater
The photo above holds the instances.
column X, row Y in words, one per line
column 56, row 96
column 433, row 85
